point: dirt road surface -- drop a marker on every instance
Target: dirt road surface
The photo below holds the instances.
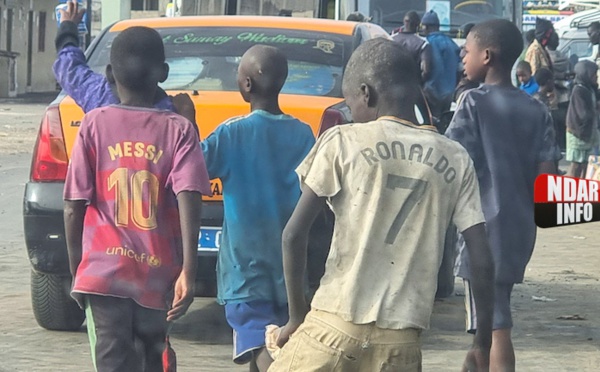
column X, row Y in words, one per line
column 563, row 277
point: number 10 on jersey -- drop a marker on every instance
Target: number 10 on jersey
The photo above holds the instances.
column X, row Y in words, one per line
column 129, row 198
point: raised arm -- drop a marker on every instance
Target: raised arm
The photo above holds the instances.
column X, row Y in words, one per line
column 89, row 89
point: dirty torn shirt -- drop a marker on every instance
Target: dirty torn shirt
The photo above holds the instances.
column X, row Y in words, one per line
column 507, row 134
column 394, row 189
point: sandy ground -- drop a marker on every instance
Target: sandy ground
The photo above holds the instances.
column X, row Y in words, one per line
column 564, row 273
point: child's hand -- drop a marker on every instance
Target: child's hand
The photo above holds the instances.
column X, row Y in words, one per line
column 73, row 13
column 477, row 360
column 286, row 332
column 184, row 296
column 184, row 106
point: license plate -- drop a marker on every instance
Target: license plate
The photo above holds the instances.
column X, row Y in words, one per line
column 209, row 239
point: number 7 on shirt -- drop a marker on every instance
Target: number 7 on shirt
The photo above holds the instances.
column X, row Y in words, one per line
column 417, row 189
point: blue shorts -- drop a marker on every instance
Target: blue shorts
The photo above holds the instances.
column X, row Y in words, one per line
column 249, row 321
column 502, row 314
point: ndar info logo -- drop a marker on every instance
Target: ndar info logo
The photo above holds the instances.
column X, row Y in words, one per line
column 561, row 201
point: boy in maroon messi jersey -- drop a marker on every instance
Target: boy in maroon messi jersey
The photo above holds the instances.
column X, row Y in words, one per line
column 132, row 211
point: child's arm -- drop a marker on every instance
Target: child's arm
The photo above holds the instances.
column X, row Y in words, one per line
column 74, row 214
column 319, row 180
column 184, row 106
column 295, row 242
column 216, row 151
column 189, row 181
column 469, row 219
column 79, row 191
column 89, row 89
column 482, row 274
column 190, row 203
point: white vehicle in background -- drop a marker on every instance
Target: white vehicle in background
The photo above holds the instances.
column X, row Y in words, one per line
column 572, row 31
column 577, row 21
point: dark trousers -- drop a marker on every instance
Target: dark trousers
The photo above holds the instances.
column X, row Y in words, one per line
column 125, row 336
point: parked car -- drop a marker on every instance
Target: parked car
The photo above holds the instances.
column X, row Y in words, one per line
column 203, row 54
column 575, row 44
column 579, row 20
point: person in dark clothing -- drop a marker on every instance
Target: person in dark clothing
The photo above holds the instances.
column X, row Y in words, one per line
column 547, row 94
column 417, row 46
column 547, row 91
column 593, row 32
column 529, row 36
column 562, row 70
column 582, row 118
column 464, row 83
column 464, row 30
column 510, row 138
column 445, row 60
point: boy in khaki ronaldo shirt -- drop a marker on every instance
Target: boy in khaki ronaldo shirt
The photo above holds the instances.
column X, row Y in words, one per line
column 394, row 188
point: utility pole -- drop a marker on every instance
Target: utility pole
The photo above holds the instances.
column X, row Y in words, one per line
column 115, row 10
column 88, row 12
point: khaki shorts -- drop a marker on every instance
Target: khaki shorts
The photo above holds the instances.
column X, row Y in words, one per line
column 327, row 343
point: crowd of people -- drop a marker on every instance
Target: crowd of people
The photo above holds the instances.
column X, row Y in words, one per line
column 567, row 87
column 394, row 187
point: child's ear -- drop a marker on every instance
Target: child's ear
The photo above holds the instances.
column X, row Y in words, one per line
column 247, row 85
column 368, row 95
column 164, row 73
column 109, row 75
column 488, row 55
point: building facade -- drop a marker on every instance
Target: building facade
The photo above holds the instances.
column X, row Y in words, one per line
column 27, row 30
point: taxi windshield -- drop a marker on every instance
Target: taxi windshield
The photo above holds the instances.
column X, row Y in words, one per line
column 207, row 58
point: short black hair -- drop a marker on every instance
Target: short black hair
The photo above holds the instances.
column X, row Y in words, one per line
column 466, row 29
column 530, row 36
column 137, row 58
column 267, row 67
column 524, row 65
column 502, row 36
column 543, row 76
column 594, row 25
column 413, row 17
column 357, row 17
column 387, row 67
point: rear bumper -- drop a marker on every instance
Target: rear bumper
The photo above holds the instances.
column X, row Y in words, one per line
column 44, row 227
column 45, row 233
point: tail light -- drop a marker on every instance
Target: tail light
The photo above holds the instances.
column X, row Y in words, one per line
column 335, row 115
column 50, row 154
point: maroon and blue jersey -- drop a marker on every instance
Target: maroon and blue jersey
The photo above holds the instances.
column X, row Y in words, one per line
column 129, row 164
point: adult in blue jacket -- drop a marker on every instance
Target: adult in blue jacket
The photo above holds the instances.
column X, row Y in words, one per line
column 444, row 65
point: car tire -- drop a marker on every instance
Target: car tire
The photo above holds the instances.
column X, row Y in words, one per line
column 445, row 286
column 53, row 307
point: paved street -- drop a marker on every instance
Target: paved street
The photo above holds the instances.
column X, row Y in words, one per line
column 562, row 281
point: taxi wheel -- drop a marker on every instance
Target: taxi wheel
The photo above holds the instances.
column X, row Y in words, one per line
column 53, row 307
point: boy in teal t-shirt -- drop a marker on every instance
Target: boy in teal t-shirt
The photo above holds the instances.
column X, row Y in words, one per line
column 255, row 156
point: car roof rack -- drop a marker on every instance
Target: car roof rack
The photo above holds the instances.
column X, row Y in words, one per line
column 585, row 20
